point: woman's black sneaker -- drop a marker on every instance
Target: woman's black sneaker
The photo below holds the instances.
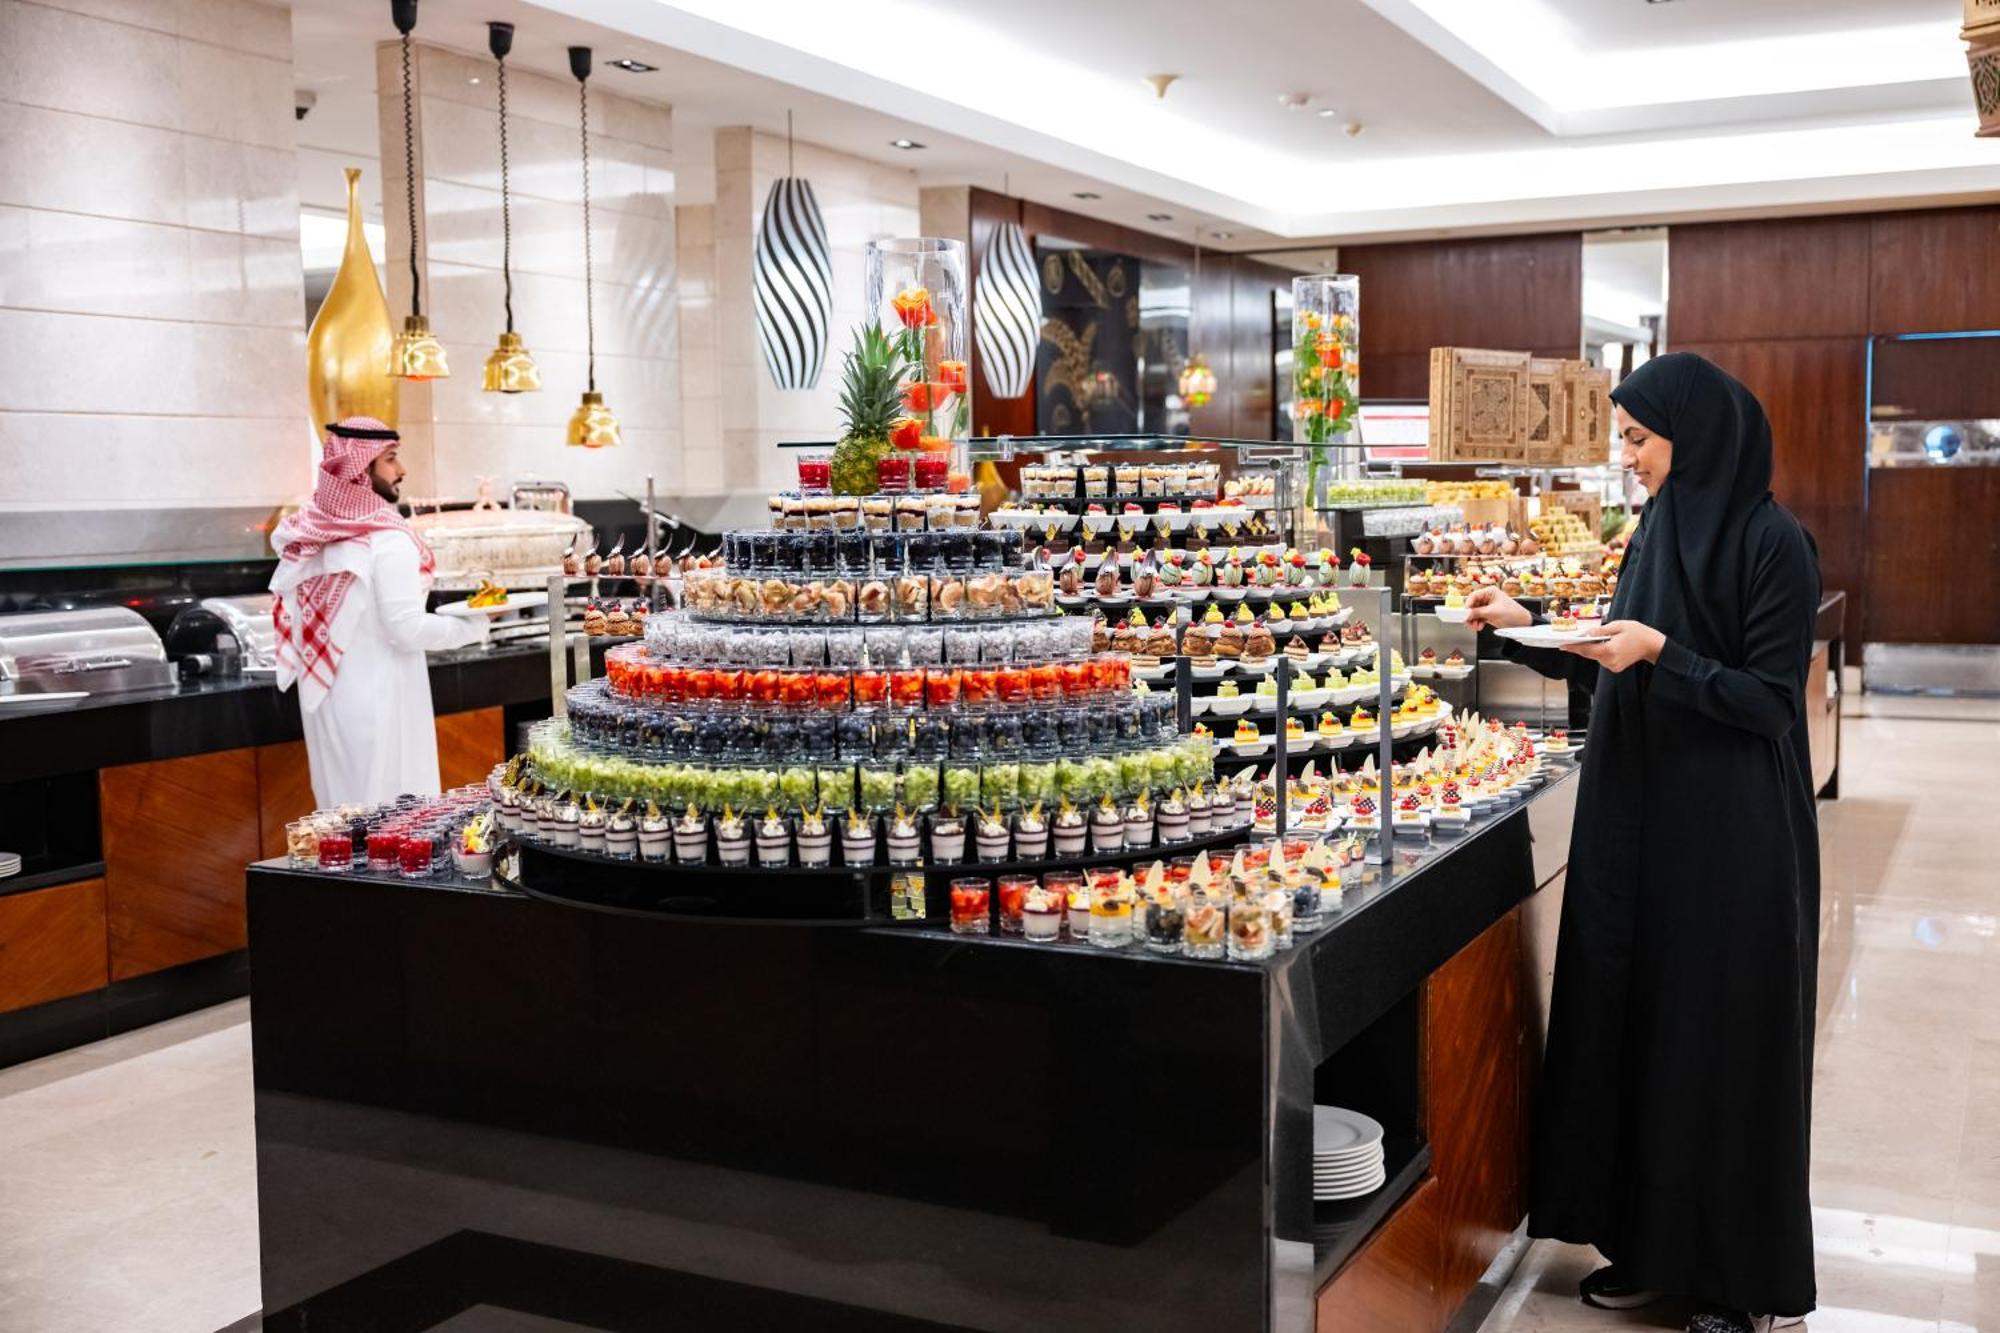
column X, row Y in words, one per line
column 1607, row 1289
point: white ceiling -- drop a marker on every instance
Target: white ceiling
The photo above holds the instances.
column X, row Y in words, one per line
column 1474, row 115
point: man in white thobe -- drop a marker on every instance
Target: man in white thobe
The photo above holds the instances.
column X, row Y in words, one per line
column 352, row 631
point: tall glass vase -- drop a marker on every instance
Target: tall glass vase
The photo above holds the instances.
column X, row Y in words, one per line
column 917, row 291
column 1326, row 378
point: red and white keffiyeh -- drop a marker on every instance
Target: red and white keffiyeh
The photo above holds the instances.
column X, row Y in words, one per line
column 312, row 632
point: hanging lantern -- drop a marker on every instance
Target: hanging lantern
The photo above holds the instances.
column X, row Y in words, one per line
column 591, row 426
column 791, row 279
column 416, row 354
column 1007, row 312
column 1197, row 384
column 509, row 369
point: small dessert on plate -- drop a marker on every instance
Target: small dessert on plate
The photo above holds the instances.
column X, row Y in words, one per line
column 1246, row 733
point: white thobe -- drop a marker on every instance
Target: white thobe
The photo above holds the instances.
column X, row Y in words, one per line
column 374, row 736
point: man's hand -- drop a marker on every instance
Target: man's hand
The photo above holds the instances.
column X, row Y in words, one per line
column 1630, row 644
column 1490, row 606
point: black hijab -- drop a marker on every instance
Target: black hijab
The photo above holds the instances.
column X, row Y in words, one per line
column 1689, row 570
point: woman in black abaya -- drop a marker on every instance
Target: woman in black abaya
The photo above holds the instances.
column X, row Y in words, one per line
column 1675, row 1110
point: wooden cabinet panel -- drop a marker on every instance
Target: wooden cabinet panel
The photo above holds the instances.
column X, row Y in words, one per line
column 1510, row 292
column 284, row 792
column 1934, row 270
column 1815, row 391
column 177, row 835
column 51, row 943
column 1472, row 1103
column 1390, row 1286
column 1933, row 534
column 469, row 744
column 1791, row 278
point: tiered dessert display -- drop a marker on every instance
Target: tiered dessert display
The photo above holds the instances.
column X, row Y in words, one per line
column 844, row 698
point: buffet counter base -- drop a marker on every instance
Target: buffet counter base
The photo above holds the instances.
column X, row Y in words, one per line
column 468, row 1097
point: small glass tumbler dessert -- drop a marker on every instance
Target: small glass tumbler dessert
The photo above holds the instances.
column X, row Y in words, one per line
column 1110, row 917
column 415, row 855
column 1250, row 935
column 1076, row 900
column 971, row 901
column 1278, row 902
column 1013, row 895
column 1206, row 925
column 335, row 851
column 815, row 474
column 1041, row 914
column 302, row 843
column 1166, row 924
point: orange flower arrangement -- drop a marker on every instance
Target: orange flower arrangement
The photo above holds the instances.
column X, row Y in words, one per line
column 913, row 307
column 906, row 433
column 951, row 375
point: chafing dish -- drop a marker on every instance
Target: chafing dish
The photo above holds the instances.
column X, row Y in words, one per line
column 515, row 548
column 102, row 650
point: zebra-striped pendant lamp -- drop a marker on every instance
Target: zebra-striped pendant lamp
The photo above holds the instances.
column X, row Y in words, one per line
column 1007, row 312
column 792, row 282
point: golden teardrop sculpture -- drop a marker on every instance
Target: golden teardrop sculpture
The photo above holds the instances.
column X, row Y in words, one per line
column 347, row 351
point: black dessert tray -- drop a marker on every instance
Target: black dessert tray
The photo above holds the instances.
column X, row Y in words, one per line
column 782, row 895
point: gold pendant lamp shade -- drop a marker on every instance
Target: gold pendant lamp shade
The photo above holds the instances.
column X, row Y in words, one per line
column 417, row 354
column 347, row 351
column 509, row 369
column 591, row 426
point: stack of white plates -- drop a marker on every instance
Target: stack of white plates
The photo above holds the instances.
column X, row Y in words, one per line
column 10, row 864
column 1347, row 1154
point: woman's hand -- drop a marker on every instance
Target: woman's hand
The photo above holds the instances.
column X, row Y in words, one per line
column 1490, row 606
column 1630, row 644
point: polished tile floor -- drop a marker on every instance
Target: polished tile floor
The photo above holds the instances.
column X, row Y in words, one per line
column 127, row 1169
column 1906, row 1096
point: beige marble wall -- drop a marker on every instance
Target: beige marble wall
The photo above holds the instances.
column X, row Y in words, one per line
column 455, row 433
column 150, row 298
column 703, row 470
column 861, row 201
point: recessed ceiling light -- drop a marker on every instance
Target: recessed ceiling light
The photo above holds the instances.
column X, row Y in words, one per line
column 1221, row 235
column 631, row 66
column 1159, row 217
column 1294, row 101
column 1329, row 112
column 904, row 144
column 473, row 79
column 1085, row 194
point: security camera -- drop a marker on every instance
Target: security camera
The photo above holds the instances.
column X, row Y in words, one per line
column 303, row 101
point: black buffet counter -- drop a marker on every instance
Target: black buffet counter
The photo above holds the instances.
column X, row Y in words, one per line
column 473, row 1099
column 134, row 814
column 202, row 716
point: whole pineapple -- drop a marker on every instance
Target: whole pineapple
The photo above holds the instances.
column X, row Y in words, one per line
column 870, row 399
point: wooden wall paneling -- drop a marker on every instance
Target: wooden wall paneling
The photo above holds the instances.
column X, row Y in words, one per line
column 469, row 745
column 1814, row 391
column 1927, row 530
column 990, row 415
column 1788, row 278
column 52, row 944
column 177, row 834
column 1251, row 379
column 1473, row 1026
column 1932, row 379
column 1212, row 335
column 1390, row 1285
column 1934, row 270
column 1511, row 293
column 284, row 793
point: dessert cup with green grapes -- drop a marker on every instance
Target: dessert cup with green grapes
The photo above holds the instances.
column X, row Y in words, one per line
column 1000, row 784
column 798, row 789
column 878, row 787
column 961, row 785
column 836, row 786
column 1038, row 783
column 920, row 786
